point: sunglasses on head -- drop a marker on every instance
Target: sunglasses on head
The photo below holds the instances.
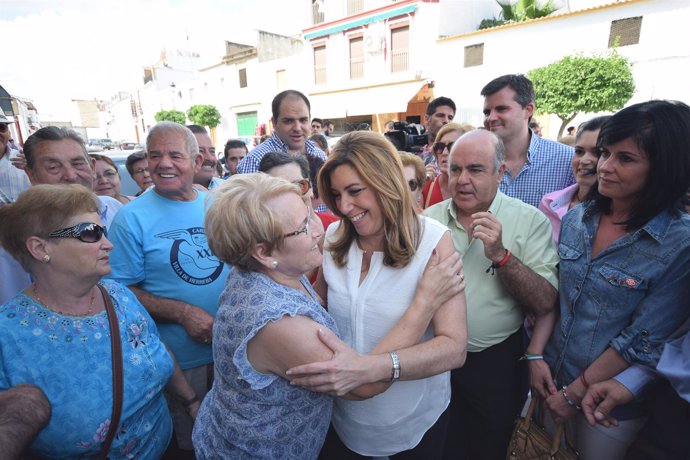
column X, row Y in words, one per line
column 439, row 147
column 88, row 232
column 304, row 185
column 414, row 185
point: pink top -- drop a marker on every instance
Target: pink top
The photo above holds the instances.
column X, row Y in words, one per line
column 555, row 204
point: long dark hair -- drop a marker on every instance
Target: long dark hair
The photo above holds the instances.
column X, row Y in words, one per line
column 662, row 130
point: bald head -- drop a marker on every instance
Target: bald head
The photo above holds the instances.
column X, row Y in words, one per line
column 475, row 167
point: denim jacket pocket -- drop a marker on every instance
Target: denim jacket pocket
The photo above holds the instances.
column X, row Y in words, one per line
column 619, row 289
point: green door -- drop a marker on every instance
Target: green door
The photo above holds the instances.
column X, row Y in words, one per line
column 246, row 123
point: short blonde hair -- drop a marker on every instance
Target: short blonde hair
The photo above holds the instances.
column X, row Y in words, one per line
column 378, row 164
column 410, row 159
column 238, row 218
column 38, row 211
column 461, row 128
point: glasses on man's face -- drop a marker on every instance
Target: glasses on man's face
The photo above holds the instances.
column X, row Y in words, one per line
column 141, row 171
column 304, row 185
column 413, row 184
column 88, row 232
column 439, row 147
column 4, row 127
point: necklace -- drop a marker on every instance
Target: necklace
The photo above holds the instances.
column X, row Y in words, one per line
column 88, row 312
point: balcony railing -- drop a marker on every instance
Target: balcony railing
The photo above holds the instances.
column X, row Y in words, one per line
column 319, row 75
column 400, row 60
column 354, row 7
column 356, row 68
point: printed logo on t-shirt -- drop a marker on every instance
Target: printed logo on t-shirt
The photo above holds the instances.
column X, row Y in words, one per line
column 191, row 258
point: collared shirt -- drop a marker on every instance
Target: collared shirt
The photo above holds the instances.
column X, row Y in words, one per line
column 13, row 181
column 492, row 314
column 554, row 205
column 547, row 169
column 250, row 163
column 631, row 296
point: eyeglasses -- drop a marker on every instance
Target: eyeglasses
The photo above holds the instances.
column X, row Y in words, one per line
column 4, row 127
column 107, row 175
column 439, row 147
column 304, row 230
column 413, row 184
column 88, row 232
column 141, row 171
column 304, row 185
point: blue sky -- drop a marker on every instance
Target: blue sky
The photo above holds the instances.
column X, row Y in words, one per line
column 73, row 49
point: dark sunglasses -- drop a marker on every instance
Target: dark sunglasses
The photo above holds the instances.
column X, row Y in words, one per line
column 439, row 147
column 414, row 185
column 87, row 232
column 304, row 185
column 4, row 127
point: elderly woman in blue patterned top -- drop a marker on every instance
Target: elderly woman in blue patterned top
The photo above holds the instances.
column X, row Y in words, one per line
column 268, row 321
column 56, row 335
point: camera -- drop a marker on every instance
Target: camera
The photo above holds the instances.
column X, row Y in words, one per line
column 407, row 137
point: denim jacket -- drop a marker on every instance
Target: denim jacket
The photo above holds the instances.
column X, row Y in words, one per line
column 631, row 296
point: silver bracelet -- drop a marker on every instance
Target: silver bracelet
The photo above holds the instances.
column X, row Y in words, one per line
column 395, row 373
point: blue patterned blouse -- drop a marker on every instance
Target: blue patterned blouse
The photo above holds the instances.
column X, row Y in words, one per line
column 248, row 414
column 69, row 358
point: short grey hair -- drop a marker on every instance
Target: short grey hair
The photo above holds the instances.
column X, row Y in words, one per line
column 164, row 127
column 500, row 152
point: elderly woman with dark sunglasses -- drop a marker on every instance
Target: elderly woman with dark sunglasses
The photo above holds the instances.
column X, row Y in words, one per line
column 56, row 334
column 436, row 190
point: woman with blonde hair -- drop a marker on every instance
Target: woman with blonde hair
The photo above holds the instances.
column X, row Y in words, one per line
column 436, row 190
column 374, row 260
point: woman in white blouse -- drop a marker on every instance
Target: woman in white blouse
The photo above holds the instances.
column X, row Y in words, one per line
column 373, row 262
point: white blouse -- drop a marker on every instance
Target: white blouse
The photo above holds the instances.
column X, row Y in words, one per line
column 397, row 419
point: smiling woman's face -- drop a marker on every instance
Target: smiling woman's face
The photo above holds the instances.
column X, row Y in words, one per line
column 585, row 159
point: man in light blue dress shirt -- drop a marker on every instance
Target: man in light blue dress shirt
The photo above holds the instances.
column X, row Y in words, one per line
column 667, row 388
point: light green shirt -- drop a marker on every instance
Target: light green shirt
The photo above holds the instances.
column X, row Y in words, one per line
column 492, row 315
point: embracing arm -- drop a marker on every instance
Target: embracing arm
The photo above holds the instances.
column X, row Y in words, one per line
column 293, row 341
column 446, row 350
column 441, row 291
column 196, row 321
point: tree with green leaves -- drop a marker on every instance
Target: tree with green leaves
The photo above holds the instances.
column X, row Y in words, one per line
column 205, row 115
column 602, row 83
column 171, row 115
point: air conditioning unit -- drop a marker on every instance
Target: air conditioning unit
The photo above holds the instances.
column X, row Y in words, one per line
column 374, row 41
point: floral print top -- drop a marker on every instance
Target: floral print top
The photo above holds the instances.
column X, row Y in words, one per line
column 69, row 358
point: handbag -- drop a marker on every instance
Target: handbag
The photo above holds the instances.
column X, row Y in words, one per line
column 530, row 441
column 116, row 350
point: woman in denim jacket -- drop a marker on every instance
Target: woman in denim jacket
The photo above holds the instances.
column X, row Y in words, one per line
column 625, row 267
